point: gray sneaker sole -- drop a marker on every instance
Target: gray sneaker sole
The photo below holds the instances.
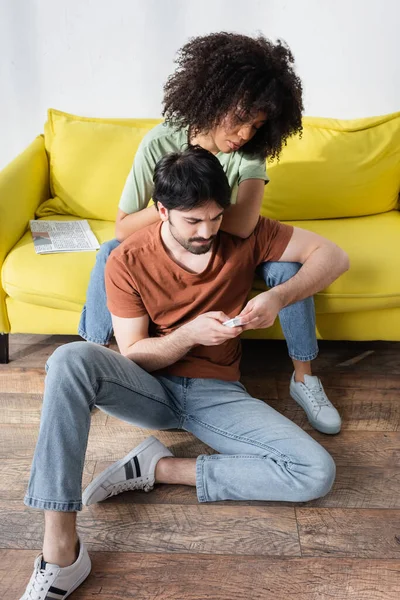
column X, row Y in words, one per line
column 330, row 430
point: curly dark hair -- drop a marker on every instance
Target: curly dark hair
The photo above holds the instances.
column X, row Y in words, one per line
column 219, row 72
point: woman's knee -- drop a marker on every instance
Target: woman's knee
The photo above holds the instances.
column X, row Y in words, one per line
column 275, row 273
column 105, row 250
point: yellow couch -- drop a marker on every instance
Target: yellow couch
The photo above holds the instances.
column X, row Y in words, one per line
column 340, row 179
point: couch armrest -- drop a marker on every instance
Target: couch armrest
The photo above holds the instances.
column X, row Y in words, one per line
column 24, row 184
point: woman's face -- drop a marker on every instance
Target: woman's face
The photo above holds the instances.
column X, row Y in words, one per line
column 236, row 129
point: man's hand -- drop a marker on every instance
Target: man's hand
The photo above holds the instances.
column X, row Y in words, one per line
column 260, row 312
column 207, row 329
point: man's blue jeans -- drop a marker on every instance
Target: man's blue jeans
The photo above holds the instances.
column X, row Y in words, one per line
column 263, row 455
column 297, row 320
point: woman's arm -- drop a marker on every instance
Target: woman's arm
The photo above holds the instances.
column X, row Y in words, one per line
column 133, row 210
column 241, row 218
column 127, row 224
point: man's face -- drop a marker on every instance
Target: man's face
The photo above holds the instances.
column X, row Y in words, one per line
column 236, row 130
column 194, row 230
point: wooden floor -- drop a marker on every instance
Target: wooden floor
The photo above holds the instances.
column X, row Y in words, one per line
column 165, row 546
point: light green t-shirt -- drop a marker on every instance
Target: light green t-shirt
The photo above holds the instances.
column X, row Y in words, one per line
column 163, row 139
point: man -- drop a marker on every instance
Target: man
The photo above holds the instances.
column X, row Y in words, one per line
column 171, row 287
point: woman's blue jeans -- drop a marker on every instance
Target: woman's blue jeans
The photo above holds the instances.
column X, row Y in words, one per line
column 297, row 320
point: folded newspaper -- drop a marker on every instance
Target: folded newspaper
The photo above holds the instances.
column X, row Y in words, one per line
column 63, row 236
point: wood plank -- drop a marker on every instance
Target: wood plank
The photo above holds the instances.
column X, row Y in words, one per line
column 26, row 409
column 201, row 529
column 336, row 378
column 14, row 477
column 360, row 408
column 265, row 355
column 349, row 533
column 349, row 448
column 363, row 487
column 354, row 487
column 189, row 577
column 105, row 443
column 19, row 380
column 35, row 353
column 32, row 355
column 18, row 339
column 361, row 448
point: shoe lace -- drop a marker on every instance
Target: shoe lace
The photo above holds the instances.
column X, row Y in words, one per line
column 130, row 485
column 40, row 578
column 318, row 396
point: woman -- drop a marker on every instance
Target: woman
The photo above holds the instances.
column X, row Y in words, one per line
column 239, row 98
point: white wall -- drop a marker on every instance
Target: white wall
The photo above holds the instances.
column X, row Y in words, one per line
column 111, row 58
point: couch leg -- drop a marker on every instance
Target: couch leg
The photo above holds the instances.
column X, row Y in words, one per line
column 4, row 357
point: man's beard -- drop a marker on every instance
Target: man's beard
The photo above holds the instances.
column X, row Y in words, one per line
column 190, row 244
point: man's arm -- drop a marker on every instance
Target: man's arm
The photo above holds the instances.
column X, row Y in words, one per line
column 152, row 354
column 323, row 262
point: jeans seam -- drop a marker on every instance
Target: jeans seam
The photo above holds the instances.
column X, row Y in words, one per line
column 141, row 393
column 83, row 334
column 242, row 439
column 53, row 501
column 305, row 358
column 33, row 502
column 201, row 496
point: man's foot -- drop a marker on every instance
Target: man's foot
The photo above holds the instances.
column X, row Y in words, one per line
column 136, row 471
column 51, row 581
column 320, row 412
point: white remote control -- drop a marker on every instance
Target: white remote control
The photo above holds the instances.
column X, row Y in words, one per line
column 236, row 322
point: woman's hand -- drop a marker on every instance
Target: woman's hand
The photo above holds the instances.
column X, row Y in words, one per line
column 260, row 312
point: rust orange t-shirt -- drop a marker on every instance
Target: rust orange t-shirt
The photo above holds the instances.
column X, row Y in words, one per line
column 142, row 278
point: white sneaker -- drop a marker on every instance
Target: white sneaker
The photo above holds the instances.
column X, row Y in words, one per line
column 54, row 582
column 136, row 471
column 320, row 411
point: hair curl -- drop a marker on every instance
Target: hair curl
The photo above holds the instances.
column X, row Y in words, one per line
column 220, row 72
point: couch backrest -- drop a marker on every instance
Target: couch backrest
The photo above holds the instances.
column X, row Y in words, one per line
column 335, row 169
column 89, row 162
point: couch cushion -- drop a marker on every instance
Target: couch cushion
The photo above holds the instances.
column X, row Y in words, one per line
column 373, row 282
column 53, row 280
column 336, row 169
column 89, row 163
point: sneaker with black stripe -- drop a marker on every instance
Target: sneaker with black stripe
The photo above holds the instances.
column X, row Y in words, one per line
column 51, row 582
column 136, row 471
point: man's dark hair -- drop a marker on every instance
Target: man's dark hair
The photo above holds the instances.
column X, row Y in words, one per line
column 222, row 72
column 186, row 180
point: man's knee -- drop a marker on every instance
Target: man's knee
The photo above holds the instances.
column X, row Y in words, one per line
column 322, row 474
column 70, row 355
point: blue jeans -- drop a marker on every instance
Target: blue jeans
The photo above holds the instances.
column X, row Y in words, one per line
column 297, row 320
column 263, row 455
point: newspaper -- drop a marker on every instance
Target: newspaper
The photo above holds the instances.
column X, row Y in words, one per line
column 62, row 236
